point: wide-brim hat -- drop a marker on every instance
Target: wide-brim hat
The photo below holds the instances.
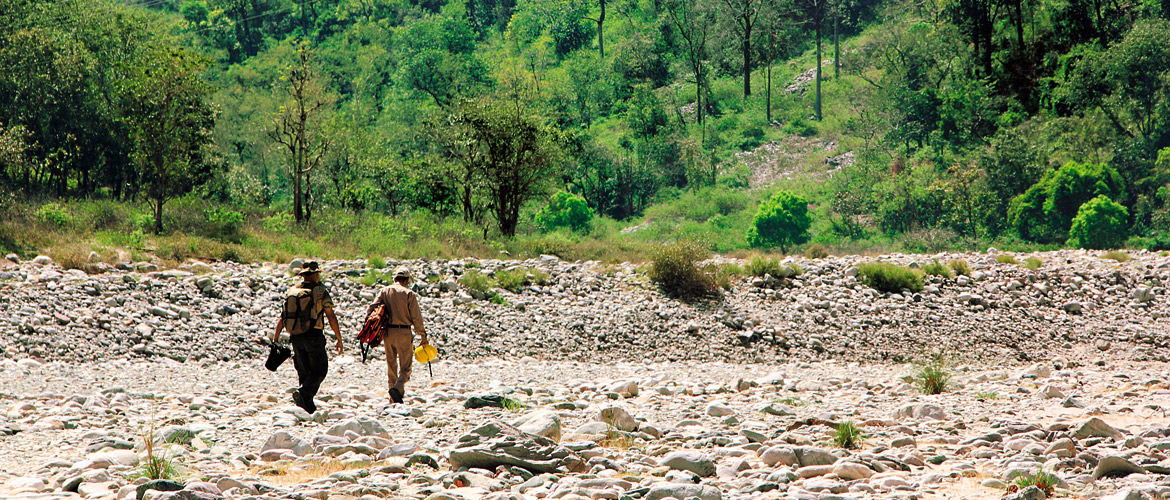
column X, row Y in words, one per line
column 310, row 268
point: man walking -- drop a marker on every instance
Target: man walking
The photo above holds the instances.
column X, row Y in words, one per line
column 402, row 312
column 306, row 307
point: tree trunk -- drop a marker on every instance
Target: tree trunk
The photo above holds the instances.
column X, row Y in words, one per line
column 600, row 33
column 836, row 43
column 747, row 59
column 817, row 103
column 768, row 94
column 158, row 203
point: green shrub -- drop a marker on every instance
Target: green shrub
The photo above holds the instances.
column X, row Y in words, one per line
column 934, row 268
column 376, row 262
column 1033, row 263
column 848, row 435
column 1045, row 481
column 1117, row 255
column 760, row 265
column 1044, row 213
column 476, row 280
column 781, row 221
column 1100, row 223
column 675, row 270
column 565, row 210
column 960, row 267
column 224, row 225
column 55, row 215
column 889, row 278
column 512, row 280
column 1005, row 258
column 816, row 251
column 933, row 377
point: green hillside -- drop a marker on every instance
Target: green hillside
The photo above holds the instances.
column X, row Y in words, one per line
column 263, row 129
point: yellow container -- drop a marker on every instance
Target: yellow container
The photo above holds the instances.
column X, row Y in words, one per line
column 425, row 353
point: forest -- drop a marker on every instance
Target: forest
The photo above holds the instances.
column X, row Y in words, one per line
column 590, row 129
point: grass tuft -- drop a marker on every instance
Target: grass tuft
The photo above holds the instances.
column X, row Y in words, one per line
column 889, row 278
column 848, row 435
column 1032, row 263
column 676, row 271
column 934, row 268
column 933, row 376
column 1005, row 258
column 1045, row 481
column 960, row 267
column 816, row 251
column 1117, row 255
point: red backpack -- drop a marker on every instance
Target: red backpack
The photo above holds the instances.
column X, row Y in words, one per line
column 371, row 334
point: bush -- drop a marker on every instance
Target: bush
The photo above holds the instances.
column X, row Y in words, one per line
column 1033, row 263
column 1100, row 223
column 675, row 270
column 54, row 215
column 890, row 278
column 565, row 210
column 934, row 268
column 1045, row 211
column 512, row 280
column 476, row 280
column 960, row 267
column 224, row 225
column 781, row 221
column 1004, row 258
column 1045, row 481
column 816, row 251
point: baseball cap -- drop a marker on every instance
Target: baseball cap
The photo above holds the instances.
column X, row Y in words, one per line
column 310, row 268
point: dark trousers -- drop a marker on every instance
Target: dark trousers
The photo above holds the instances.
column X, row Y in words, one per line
column 311, row 361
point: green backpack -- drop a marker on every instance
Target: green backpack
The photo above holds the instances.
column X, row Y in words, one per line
column 299, row 311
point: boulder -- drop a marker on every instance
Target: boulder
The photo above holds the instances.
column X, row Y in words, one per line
column 693, row 461
column 683, row 491
column 1095, row 427
column 542, row 423
column 920, row 411
column 496, row 443
column 1116, row 466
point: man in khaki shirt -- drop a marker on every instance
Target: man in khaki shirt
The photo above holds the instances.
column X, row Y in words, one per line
column 402, row 312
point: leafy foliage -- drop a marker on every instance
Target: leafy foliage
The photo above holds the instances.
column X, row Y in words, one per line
column 781, row 221
column 1045, row 211
column 1100, row 223
column 565, row 210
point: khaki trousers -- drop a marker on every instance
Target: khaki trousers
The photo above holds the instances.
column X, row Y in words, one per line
column 399, row 343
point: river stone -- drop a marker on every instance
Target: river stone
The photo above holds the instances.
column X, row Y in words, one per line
column 157, row 485
column 542, row 423
column 780, row 455
column 850, row 471
column 496, row 443
column 809, row 455
column 683, row 491
column 363, row 426
column 618, row 417
column 284, row 440
column 1116, row 466
column 104, row 459
column 692, row 461
column 1095, row 427
column 921, row 410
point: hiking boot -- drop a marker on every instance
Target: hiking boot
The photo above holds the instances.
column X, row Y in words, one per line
column 396, row 395
column 298, row 400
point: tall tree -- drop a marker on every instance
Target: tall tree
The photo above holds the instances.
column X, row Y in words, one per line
column 692, row 22
column 744, row 15
column 297, row 127
column 600, row 20
column 511, row 152
column 170, row 116
column 815, row 13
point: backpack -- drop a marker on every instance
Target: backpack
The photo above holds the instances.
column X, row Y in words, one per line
column 371, row 334
column 299, row 312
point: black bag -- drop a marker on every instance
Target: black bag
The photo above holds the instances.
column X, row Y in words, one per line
column 276, row 355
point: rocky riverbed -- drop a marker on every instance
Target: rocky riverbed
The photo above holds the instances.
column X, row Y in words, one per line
column 594, row 385
column 1076, row 304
